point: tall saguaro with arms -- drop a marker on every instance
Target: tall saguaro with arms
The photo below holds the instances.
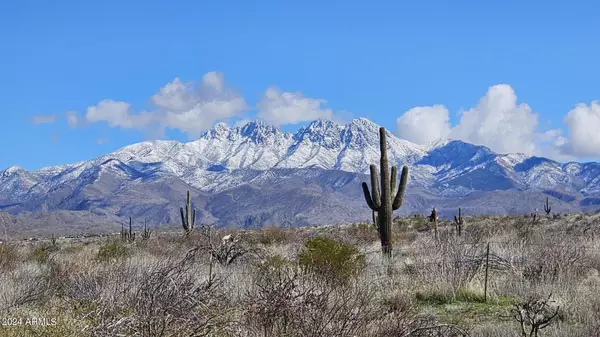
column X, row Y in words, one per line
column 386, row 199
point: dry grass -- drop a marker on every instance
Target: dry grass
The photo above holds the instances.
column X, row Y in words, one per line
column 255, row 286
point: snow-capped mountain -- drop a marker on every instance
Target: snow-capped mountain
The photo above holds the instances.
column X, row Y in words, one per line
column 256, row 174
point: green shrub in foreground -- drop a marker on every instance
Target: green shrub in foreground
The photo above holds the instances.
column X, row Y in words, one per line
column 113, row 250
column 332, row 260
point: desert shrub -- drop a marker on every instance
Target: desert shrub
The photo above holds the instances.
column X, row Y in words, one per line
column 274, row 235
column 547, row 263
column 285, row 301
column 43, row 253
column 404, row 237
column 167, row 298
column 113, row 250
column 272, row 300
column 362, row 233
column 332, row 260
column 419, row 224
column 455, row 263
column 8, row 257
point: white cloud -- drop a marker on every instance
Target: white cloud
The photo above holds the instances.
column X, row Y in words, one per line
column 72, row 119
column 195, row 109
column 583, row 125
column 43, row 119
column 118, row 114
column 178, row 105
column 499, row 122
column 279, row 108
column 424, row 124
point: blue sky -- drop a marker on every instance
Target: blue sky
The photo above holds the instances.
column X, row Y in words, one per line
column 276, row 60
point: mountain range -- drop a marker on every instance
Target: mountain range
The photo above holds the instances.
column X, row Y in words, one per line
column 256, row 175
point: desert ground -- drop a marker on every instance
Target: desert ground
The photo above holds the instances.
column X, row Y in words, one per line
column 503, row 276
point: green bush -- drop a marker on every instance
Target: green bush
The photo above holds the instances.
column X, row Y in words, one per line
column 44, row 251
column 332, row 260
column 113, row 250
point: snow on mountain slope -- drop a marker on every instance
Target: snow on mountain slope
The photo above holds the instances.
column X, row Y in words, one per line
column 257, row 153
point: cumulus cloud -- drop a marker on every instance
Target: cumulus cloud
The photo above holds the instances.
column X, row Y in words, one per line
column 195, row 109
column 499, row 122
column 583, row 125
column 43, row 119
column 178, row 105
column 279, row 108
column 424, row 124
column 118, row 114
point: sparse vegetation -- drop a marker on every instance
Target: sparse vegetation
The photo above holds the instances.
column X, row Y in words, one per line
column 326, row 281
column 334, row 261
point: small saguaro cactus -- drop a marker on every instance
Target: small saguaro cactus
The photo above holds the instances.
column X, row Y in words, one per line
column 434, row 218
column 386, row 199
column 127, row 236
column 146, row 233
column 547, row 207
column 188, row 220
column 459, row 222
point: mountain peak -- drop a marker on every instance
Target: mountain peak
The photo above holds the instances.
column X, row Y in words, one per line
column 220, row 130
column 323, row 124
column 13, row 169
column 258, row 131
column 362, row 122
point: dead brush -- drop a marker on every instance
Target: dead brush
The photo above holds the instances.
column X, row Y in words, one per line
column 534, row 315
column 226, row 251
column 285, row 300
column 166, row 299
column 548, row 262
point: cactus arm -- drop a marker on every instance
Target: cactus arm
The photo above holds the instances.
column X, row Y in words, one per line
column 375, row 193
column 188, row 209
column 547, row 207
column 183, row 218
column 399, row 198
column 368, row 199
column 394, row 179
column 193, row 220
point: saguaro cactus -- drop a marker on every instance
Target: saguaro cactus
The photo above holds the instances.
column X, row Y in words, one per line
column 434, row 218
column 127, row 236
column 385, row 200
column 146, row 233
column 547, row 207
column 189, row 219
column 459, row 222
